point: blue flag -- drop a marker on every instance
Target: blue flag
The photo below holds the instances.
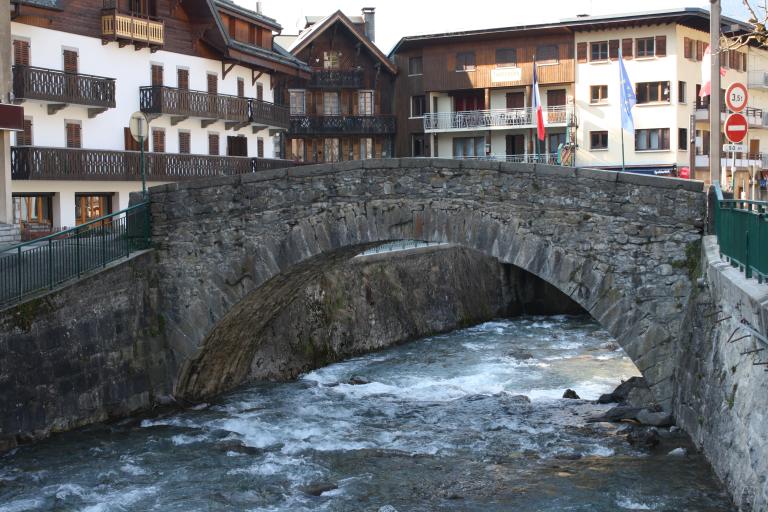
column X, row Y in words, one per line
column 628, row 98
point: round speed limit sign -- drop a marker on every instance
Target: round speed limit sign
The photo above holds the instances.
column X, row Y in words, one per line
column 736, row 97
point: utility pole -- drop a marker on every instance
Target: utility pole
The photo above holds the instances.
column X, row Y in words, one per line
column 715, row 98
column 6, row 202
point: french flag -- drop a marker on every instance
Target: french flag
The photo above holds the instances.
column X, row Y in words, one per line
column 536, row 105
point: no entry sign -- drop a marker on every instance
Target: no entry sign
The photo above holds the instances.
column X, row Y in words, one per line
column 736, row 128
column 736, row 97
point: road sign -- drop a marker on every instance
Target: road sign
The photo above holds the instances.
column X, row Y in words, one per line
column 734, row 148
column 735, row 128
column 139, row 126
column 736, row 97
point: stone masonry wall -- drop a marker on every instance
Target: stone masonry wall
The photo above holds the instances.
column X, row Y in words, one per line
column 722, row 396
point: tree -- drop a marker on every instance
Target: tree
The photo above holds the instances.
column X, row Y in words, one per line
column 758, row 21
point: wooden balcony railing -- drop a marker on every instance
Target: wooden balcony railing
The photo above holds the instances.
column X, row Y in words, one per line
column 131, row 28
column 185, row 103
column 31, row 83
column 42, row 163
column 497, row 118
column 269, row 114
column 336, row 79
column 342, row 125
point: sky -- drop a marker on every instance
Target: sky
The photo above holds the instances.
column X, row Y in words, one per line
column 397, row 18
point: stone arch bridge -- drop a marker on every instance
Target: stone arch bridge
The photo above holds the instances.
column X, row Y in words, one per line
column 232, row 251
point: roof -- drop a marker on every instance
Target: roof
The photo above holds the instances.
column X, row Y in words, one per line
column 319, row 27
column 694, row 17
column 256, row 16
column 311, row 20
column 45, row 4
column 285, row 40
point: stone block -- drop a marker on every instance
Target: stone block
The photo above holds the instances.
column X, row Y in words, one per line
column 660, row 182
column 597, row 174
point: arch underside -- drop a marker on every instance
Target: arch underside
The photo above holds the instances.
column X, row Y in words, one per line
column 251, row 274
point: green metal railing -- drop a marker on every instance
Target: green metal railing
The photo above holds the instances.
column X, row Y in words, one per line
column 47, row 262
column 742, row 234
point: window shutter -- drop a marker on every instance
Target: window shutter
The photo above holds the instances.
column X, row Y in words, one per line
column 20, row 52
column 687, row 48
column 182, row 77
column 699, row 50
column 581, row 52
column 184, row 143
column 213, row 143
column 260, row 147
column 240, row 87
column 157, row 75
column 626, row 48
column 260, row 92
column 661, row 46
column 24, row 138
column 744, row 62
column 70, row 61
column 212, row 83
column 73, row 135
column 158, row 141
column 613, row 49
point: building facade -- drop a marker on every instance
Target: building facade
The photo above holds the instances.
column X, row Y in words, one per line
column 344, row 110
column 203, row 72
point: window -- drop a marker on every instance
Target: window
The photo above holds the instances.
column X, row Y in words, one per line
column 237, row 145
column 652, row 140
column 554, row 140
column 182, row 79
column 415, row 66
column 465, row 61
column 33, row 209
column 547, row 54
column 646, row 47
column 649, row 92
column 156, row 72
column 682, row 139
column 331, row 150
column 598, row 140
column 598, row 94
column 464, row 147
column 20, row 52
column 365, row 103
column 213, row 144
column 506, row 57
column 418, row 146
column 298, row 102
column 418, row 105
column 213, row 83
column 184, row 142
column 24, row 138
column 158, row 140
column 681, row 89
column 259, row 147
column 240, row 87
column 366, row 148
column 702, row 142
column 260, row 92
column 297, row 150
column 73, row 130
column 331, row 59
column 91, row 206
column 598, row 50
column 70, row 61
column 331, row 106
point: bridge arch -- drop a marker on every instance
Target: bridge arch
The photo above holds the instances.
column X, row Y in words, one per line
column 236, row 249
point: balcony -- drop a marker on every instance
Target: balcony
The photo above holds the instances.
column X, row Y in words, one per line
column 62, row 89
column 42, row 163
column 702, row 113
column 336, row 79
column 743, row 161
column 541, row 158
column 497, row 119
column 342, row 125
column 757, row 79
column 235, row 111
column 140, row 31
column 756, row 117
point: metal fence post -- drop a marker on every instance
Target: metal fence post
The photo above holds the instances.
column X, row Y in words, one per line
column 747, row 268
column 18, row 272
column 77, row 254
column 103, row 246
column 50, row 264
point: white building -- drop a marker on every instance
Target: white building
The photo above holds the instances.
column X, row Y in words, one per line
column 205, row 72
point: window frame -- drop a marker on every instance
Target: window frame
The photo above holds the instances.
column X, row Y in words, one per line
column 412, row 114
column 296, row 92
column 602, row 99
column 663, row 137
column 365, row 97
column 420, row 60
column 465, row 66
column 682, row 139
column 599, row 45
column 508, row 63
column 331, row 59
column 603, row 135
column 648, row 86
column 645, row 52
column 555, row 59
column 682, row 86
column 336, row 102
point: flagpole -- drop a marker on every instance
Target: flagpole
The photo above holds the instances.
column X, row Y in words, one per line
column 622, row 148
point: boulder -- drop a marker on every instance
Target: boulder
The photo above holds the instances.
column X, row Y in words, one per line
column 655, row 419
column 640, row 397
column 622, row 392
column 520, row 354
column 618, row 413
column 318, row 488
column 643, row 437
column 571, row 394
column 356, row 380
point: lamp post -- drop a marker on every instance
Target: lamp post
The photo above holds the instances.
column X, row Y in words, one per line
column 139, row 126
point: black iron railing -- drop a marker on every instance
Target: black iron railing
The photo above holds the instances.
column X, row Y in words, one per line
column 53, row 85
column 340, row 125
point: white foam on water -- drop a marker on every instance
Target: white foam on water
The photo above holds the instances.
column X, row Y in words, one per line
column 22, row 505
column 133, row 469
column 629, row 504
column 182, row 439
column 601, row 451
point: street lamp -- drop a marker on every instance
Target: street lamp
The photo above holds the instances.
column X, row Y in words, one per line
column 139, row 126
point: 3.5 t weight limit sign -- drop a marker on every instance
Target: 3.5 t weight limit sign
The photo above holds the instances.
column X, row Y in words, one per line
column 736, row 97
column 736, row 128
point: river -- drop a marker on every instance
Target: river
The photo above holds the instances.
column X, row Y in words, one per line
column 438, row 426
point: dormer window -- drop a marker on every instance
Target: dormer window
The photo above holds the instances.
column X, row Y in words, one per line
column 331, row 59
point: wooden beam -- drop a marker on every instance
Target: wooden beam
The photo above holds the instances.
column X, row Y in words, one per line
column 205, row 123
column 93, row 112
column 225, row 70
column 177, row 119
column 55, row 107
column 235, row 125
column 258, row 127
column 254, row 76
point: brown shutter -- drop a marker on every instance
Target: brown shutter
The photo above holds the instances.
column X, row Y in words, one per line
column 182, row 78
column 626, row 48
column 687, row 53
column 240, row 87
column 130, row 142
column 260, row 92
column 24, row 138
column 70, row 61
column 744, row 62
column 184, row 143
column 213, row 144
column 661, row 46
column 157, row 75
column 158, row 141
column 699, row 50
column 581, row 52
column 73, row 135
column 212, row 83
column 613, row 49
column 260, row 147
column 20, row 52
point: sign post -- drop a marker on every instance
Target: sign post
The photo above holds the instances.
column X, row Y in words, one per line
column 139, row 127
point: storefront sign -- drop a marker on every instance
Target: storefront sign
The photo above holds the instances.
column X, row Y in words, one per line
column 506, row 75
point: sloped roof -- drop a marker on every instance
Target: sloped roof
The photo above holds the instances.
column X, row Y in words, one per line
column 256, row 16
column 318, row 28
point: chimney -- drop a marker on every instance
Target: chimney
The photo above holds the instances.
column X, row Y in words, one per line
column 369, row 14
column 258, row 7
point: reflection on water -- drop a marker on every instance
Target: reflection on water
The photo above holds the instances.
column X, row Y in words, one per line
column 438, row 426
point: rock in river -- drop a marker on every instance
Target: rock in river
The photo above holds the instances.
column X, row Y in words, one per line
column 569, row 393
